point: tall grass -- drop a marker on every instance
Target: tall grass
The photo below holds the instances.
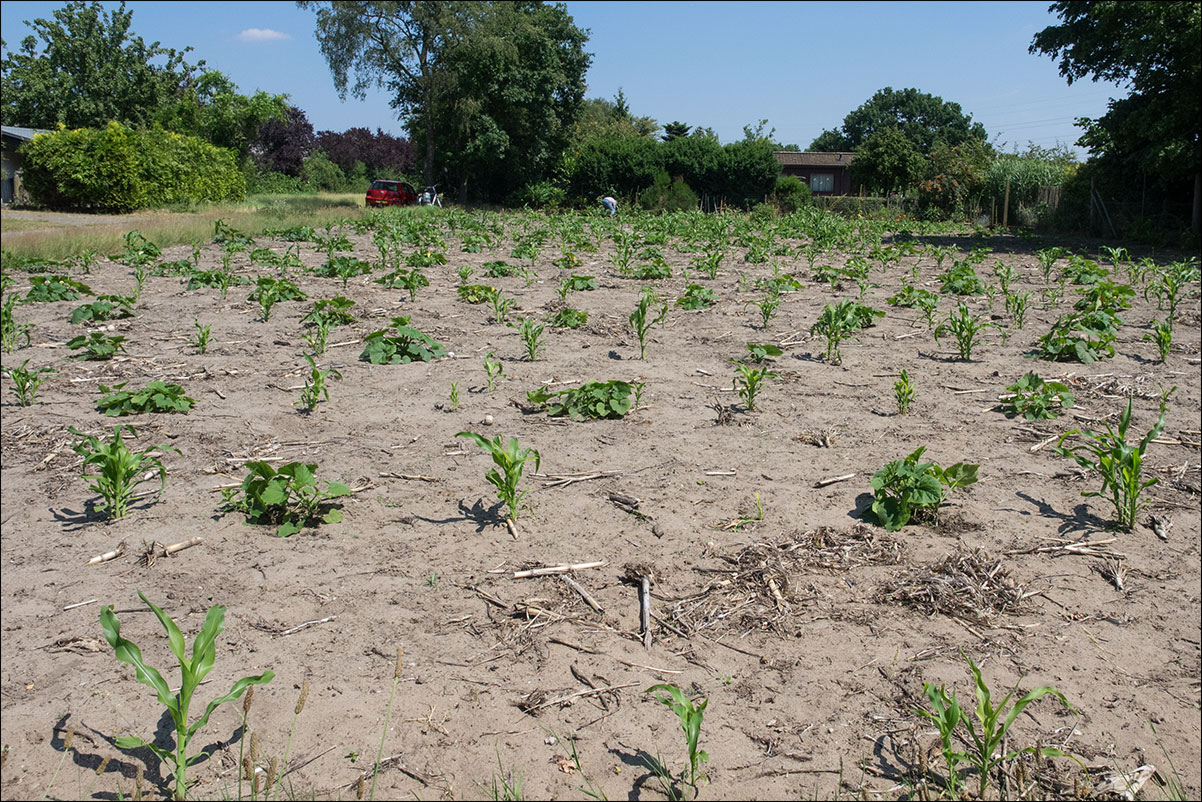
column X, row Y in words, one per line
column 45, row 240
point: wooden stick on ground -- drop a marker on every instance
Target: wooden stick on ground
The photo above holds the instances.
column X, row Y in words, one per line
column 108, row 555
column 512, row 527
column 645, row 609
column 412, row 477
column 299, row 627
column 183, row 544
column 557, row 569
column 835, row 479
column 584, row 594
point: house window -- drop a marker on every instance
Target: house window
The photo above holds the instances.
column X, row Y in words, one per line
column 822, row 182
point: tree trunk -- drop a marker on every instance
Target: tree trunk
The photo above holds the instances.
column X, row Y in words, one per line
column 429, row 168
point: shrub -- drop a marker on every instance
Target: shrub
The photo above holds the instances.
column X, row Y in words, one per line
column 543, row 195
column 115, row 169
column 790, row 193
column 667, row 195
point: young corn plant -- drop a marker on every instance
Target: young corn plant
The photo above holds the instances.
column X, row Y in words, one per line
column 1017, row 305
column 986, row 750
column 532, row 337
column 768, row 306
column 200, row 340
column 493, row 369
column 454, row 398
column 644, row 317
column 510, row 462
column 903, row 390
column 119, row 471
column 835, row 322
column 501, row 306
column 965, row 327
column 26, row 382
column 749, row 381
column 691, row 716
column 192, row 672
column 10, row 331
column 1120, row 463
column 315, row 386
column 1162, row 335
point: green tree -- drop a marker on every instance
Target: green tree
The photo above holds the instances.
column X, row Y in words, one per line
column 887, row 161
column 399, row 46
column 675, row 130
column 599, row 118
column 85, row 68
column 214, row 110
column 956, row 178
column 925, row 120
column 514, row 85
column 1154, row 49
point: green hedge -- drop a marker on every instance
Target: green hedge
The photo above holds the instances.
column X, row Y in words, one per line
column 117, row 169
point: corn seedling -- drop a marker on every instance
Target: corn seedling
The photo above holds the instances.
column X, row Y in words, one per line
column 835, row 323
column 1162, row 335
column 288, row 497
column 269, row 291
column 317, row 337
column 1016, row 305
column 1119, row 462
column 644, row 317
column 903, row 390
column 493, row 369
column 119, row 471
column 748, row 382
column 139, row 281
column 985, row 748
column 1173, row 285
column 510, row 462
column 1036, row 399
column 315, row 386
column 532, row 333
column 10, row 331
column 26, row 382
column 767, row 307
column 690, row 715
column 965, row 327
column 454, row 395
column 192, row 672
column 200, row 340
column 501, row 306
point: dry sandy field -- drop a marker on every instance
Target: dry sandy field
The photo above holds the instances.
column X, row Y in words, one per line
column 809, row 629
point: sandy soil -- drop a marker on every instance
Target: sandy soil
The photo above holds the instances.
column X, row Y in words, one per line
column 789, row 625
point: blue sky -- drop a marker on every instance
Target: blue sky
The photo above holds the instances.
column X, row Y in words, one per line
column 801, row 66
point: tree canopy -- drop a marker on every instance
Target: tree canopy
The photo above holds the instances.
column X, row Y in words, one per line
column 925, row 120
column 887, row 161
column 1154, row 49
column 85, row 68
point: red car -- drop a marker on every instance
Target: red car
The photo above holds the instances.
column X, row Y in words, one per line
column 391, row 193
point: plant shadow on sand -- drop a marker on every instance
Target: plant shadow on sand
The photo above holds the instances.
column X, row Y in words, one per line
column 483, row 517
column 1081, row 520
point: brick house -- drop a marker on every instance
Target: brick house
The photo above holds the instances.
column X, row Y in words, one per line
column 823, row 173
column 13, row 138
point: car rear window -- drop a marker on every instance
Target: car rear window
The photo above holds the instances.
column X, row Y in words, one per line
column 388, row 185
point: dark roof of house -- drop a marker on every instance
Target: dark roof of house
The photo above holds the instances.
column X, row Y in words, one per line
column 789, row 157
column 16, row 132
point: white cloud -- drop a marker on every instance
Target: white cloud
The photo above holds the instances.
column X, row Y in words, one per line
column 261, row 35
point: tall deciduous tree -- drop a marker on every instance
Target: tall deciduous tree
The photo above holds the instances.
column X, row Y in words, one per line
column 85, row 68
column 399, row 46
column 283, row 144
column 1154, row 49
column 925, row 120
column 887, row 161
column 514, row 86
